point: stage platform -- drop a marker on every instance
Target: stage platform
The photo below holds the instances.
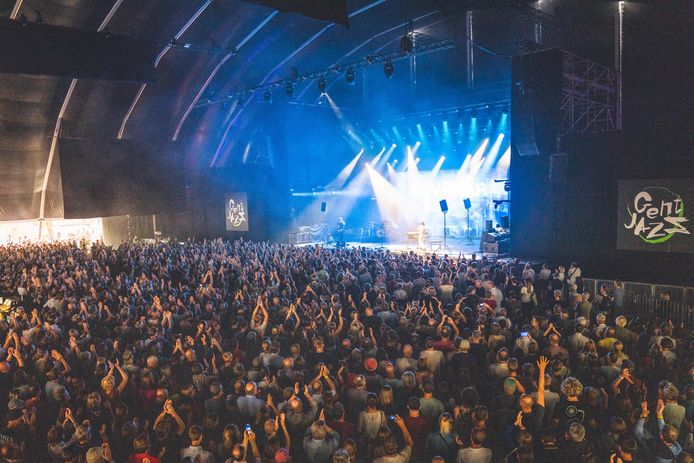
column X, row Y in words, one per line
column 456, row 248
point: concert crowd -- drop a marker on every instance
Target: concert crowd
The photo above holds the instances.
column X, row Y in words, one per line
column 229, row 352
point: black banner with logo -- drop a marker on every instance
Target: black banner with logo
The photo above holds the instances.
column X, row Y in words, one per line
column 236, row 212
column 654, row 215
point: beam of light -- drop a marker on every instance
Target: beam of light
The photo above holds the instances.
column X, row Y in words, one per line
column 245, row 153
column 341, row 179
column 473, row 128
column 447, row 139
column 416, row 147
column 354, row 137
column 377, row 138
column 410, row 134
column 420, row 132
column 492, row 155
column 479, row 153
column 398, row 136
column 475, row 168
column 437, row 168
column 466, row 164
column 336, row 109
column 505, row 159
column 386, row 157
column 411, row 162
column 391, row 171
column 388, row 200
column 348, row 196
column 503, row 122
column 375, row 160
column 459, row 136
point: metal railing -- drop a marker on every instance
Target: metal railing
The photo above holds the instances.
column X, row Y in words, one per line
column 653, row 301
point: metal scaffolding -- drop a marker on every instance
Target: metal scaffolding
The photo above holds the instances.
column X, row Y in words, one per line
column 589, row 96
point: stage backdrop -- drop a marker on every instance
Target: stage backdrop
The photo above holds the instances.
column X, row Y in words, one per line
column 236, row 211
column 652, row 215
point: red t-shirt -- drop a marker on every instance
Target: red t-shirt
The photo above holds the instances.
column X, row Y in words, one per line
column 138, row 457
column 419, row 428
column 344, row 428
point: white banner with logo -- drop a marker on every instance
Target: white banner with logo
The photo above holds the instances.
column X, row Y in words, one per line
column 236, row 212
column 655, row 215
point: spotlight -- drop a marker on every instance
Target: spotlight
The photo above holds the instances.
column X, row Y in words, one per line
column 388, row 69
column 289, row 89
column 504, row 112
column 349, row 76
column 268, row 96
column 321, row 84
column 473, row 114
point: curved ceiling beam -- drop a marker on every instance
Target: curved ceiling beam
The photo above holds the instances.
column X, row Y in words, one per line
column 58, row 122
column 216, row 69
column 279, row 65
column 163, row 52
column 15, row 10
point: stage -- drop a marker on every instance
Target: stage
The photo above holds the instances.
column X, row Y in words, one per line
column 456, row 248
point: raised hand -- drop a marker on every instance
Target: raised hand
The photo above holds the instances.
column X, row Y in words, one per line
column 660, row 406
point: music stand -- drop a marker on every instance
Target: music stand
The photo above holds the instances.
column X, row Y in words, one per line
column 468, row 206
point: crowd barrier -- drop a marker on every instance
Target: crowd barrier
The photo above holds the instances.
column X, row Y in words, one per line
column 653, row 301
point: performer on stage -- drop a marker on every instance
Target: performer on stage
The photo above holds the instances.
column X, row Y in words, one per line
column 422, row 234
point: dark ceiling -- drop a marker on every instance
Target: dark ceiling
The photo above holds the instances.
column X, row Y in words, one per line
column 268, row 44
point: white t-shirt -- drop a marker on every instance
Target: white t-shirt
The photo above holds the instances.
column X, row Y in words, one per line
column 401, row 457
column 470, row 455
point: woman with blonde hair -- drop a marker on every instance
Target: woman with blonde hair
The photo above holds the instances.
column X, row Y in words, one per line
column 386, row 400
column 443, row 441
column 108, row 383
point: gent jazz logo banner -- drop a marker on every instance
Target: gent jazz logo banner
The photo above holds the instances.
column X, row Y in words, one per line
column 653, row 215
column 236, row 210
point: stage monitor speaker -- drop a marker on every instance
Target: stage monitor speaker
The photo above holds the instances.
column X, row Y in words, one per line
column 505, row 224
column 467, row 203
column 444, row 205
column 323, row 206
column 489, row 225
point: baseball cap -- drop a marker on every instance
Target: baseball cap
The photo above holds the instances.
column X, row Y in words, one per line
column 282, row 455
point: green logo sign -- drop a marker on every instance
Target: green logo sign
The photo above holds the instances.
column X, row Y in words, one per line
column 656, row 215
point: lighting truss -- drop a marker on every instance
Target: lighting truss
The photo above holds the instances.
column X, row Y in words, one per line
column 421, row 49
column 589, row 96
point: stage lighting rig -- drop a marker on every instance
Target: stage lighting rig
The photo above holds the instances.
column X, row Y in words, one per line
column 387, row 59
